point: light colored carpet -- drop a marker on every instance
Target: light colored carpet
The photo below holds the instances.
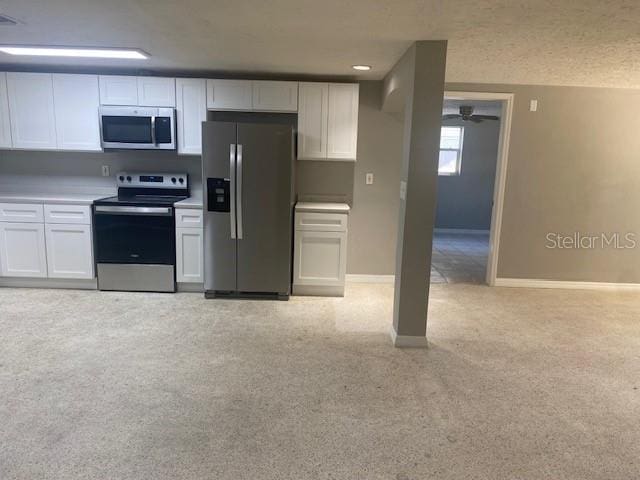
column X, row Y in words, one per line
column 517, row 384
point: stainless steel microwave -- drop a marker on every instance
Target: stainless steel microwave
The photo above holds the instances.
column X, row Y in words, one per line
column 148, row 128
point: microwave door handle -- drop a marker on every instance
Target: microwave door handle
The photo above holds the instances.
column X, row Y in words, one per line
column 232, row 188
column 153, row 129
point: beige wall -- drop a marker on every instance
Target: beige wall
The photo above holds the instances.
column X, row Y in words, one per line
column 574, row 166
column 374, row 215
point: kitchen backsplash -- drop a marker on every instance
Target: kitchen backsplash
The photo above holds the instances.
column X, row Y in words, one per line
column 81, row 172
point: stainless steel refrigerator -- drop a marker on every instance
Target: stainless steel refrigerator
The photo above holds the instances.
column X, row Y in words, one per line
column 248, row 204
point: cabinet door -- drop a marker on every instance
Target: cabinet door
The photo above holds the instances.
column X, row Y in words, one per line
column 320, row 258
column 229, row 95
column 31, row 110
column 343, row 121
column 76, row 99
column 189, row 250
column 118, row 90
column 69, row 251
column 313, row 101
column 22, row 250
column 275, row 96
column 156, row 92
column 5, row 126
column 191, row 104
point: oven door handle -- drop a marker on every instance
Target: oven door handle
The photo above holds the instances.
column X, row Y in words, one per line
column 128, row 210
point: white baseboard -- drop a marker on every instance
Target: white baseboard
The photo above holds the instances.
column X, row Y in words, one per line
column 357, row 278
column 461, row 231
column 534, row 283
column 407, row 341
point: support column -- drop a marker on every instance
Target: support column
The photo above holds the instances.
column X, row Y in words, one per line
column 419, row 76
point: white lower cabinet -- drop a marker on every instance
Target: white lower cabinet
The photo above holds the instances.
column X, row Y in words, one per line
column 320, row 254
column 22, row 250
column 189, row 247
column 48, row 241
column 69, row 251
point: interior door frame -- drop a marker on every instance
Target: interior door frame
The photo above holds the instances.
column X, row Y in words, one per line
column 501, row 171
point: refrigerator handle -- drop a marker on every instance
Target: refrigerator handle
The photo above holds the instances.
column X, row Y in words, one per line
column 232, row 188
column 239, row 188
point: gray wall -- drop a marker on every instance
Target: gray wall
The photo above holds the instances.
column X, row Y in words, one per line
column 465, row 200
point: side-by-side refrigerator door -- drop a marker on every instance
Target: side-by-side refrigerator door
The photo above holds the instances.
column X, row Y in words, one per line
column 220, row 232
column 265, row 158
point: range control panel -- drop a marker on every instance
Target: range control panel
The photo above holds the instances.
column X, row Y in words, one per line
column 152, row 180
column 218, row 198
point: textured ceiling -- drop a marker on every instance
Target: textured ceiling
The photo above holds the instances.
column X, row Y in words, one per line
column 558, row 42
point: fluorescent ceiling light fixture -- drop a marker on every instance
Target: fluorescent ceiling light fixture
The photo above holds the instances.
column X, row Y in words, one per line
column 364, row 68
column 85, row 52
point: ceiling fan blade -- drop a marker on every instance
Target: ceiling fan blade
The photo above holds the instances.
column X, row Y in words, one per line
column 487, row 117
column 476, row 118
column 451, row 116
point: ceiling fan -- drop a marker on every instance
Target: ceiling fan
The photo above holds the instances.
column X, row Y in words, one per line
column 466, row 115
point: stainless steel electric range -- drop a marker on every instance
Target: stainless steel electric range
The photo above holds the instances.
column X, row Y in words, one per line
column 134, row 232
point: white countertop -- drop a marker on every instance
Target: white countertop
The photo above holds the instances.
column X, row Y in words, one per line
column 322, row 207
column 194, row 201
column 56, row 198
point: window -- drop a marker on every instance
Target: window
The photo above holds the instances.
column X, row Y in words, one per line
column 450, row 150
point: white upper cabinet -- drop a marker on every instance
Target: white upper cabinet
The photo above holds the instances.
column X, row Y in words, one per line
column 327, row 121
column 229, row 95
column 342, row 139
column 31, row 110
column 5, row 125
column 76, row 99
column 118, row 90
column 273, row 96
column 191, row 103
column 312, row 120
column 156, row 92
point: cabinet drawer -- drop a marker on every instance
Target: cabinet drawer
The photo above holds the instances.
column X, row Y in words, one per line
column 188, row 217
column 21, row 212
column 70, row 214
column 321, row 222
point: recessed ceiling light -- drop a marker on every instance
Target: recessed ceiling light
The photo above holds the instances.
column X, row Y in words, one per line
column 361, row 67
column 92, row 52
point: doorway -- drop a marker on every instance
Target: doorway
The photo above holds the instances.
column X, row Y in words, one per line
column 472, row 171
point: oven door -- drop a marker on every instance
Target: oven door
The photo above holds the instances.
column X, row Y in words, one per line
column 129, row 234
